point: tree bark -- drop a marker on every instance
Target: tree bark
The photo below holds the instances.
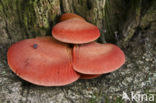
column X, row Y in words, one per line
column 116, row 19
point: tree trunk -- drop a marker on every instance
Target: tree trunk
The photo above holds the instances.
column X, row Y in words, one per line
column 129, row 23
column 116, row 19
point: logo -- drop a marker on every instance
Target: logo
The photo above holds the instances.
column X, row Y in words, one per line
column 137, row 97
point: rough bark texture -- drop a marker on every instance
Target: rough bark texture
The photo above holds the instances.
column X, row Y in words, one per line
column 129, row 23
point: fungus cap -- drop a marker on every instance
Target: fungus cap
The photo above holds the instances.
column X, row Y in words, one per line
column 95, row 58
column 75, row 31
column 42, row 61
column 67, row 16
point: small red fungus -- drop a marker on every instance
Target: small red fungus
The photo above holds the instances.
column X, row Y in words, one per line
column 75, row 31
column 95, row 58
column 42, row 61
column 67, row 16
column 87, row 76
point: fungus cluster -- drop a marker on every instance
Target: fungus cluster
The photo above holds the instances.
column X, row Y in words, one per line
column 70, row 54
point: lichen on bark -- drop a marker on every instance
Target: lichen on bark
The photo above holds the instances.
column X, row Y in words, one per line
column 27, row 19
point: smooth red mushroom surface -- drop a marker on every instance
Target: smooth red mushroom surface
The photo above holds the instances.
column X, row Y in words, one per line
column 95, row 58
column 75, row 31
column 67, row 16
column 87, row 76
column 42, row 61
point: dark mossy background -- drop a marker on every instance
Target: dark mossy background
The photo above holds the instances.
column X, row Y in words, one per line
column 131, row 24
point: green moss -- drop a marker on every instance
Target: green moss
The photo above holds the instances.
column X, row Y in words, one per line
column 109, row 35
column 29, row 17
column 54, row 11
column 119, row 100
column 92, row 100
column 138, row 11
column 1, row 7
column 148, row 18
column 130, row 35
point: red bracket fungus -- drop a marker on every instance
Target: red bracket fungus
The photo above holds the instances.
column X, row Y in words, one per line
column 75, row 31
column 95, row 58
column 47, row 62
column 67, row 16
column 42, row 61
